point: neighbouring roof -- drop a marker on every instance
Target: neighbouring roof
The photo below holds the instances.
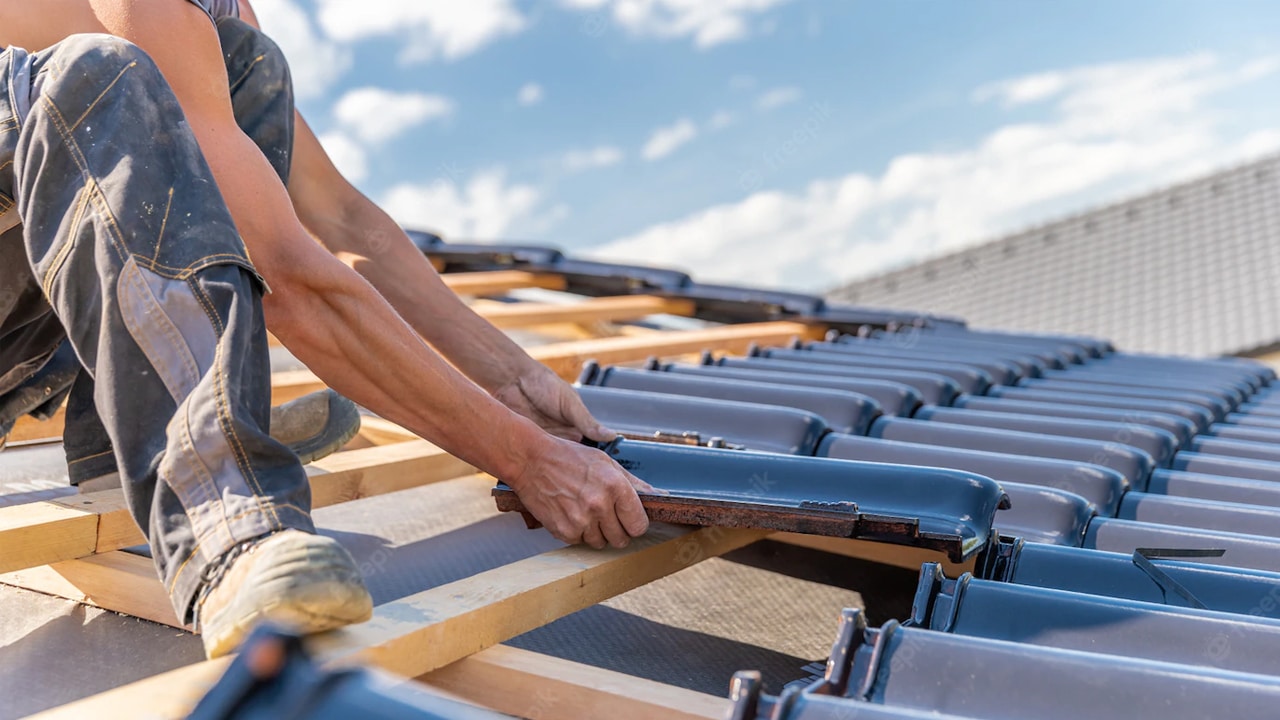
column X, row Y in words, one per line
column 1193, row 269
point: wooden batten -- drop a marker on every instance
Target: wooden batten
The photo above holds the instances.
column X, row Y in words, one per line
column 500, row 281
column 528, row 684
column 566, row 359
column 52, row 531
column 605, row 309
column 909, row 558
column 449, row 636
column 427, row 631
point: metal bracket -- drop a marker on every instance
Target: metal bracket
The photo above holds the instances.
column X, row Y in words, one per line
column 1142, row 557
column 687, row 438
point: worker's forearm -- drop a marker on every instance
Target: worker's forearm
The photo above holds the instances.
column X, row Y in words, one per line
column 348, row 335
column 406, row 279
column 336, row 324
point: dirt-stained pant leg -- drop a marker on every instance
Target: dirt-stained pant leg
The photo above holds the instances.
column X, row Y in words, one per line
column 132, row 244
column 261, row 90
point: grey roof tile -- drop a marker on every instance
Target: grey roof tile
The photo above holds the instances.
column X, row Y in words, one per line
column 1193, row 269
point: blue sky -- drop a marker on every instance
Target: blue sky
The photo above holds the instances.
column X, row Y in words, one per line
column 792, row 143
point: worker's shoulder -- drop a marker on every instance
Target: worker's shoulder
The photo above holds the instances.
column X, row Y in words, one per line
column 35, row 26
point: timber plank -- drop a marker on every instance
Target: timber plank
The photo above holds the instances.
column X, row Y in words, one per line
column 896, row 555
column 566, row 358
column 506, row 679
column 116, row 581
column 427, row 631
column 605, row 309
column 73, row 527
column 532, row 685
column 44, row 530
column 500, row 281
column 27, row 428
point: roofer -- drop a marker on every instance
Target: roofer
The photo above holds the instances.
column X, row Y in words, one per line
column 161, row 204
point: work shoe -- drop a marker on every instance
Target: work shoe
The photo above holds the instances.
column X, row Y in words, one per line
column 305, row 582
column 315, row 425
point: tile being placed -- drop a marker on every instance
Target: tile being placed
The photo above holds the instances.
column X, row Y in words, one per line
column 946, row 510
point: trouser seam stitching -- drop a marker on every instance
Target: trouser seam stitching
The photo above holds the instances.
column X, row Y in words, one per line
column 245, row 75
column 103, row 94
column 224, row 418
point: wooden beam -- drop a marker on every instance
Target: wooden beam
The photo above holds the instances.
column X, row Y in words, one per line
column 427, row 631
column 500, row 281
column 566, row 358
column 532, row 685
column 376, row 431
column 487, row 283
column 117, row 581
column 293, row 384
column 431, row 629
column 901, row 556
column 170, row 695
column 384, row 432
column 28, row 429
column 506, row 679
column 605, row 309
column 51, row 531
column 36, row 533
column 125, row 583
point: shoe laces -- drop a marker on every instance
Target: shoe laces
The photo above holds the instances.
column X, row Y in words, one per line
column 216, row 570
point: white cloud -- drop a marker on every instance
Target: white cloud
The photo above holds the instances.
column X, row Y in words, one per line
column 429, row 29
column 1023, row 90
column 1111, row 129
column 721, row 120
column 529, row 94
column 665, row 140
column 778, row 97
column 376, row 115
column 708, row 22
column 316, row 63
column 598, row 157
column 349, row 157
column 486, row 207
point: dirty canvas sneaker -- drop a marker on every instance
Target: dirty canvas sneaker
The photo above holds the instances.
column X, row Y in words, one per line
column 315, row 425
column 302, row 581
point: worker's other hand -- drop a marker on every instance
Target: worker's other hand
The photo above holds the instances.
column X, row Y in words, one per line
column 544, row 398
column 582, row 496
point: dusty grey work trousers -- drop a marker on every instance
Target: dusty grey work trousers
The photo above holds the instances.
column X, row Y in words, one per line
column 128, row 240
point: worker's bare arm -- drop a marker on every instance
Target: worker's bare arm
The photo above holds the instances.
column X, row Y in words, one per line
column 329, row 316
column 360, row 234
column 366, row 238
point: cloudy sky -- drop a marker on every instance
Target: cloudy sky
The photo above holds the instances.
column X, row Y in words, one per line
column 791, row 143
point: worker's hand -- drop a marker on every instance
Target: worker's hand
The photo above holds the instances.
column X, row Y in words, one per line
column 582, row 496
column 544, row 398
